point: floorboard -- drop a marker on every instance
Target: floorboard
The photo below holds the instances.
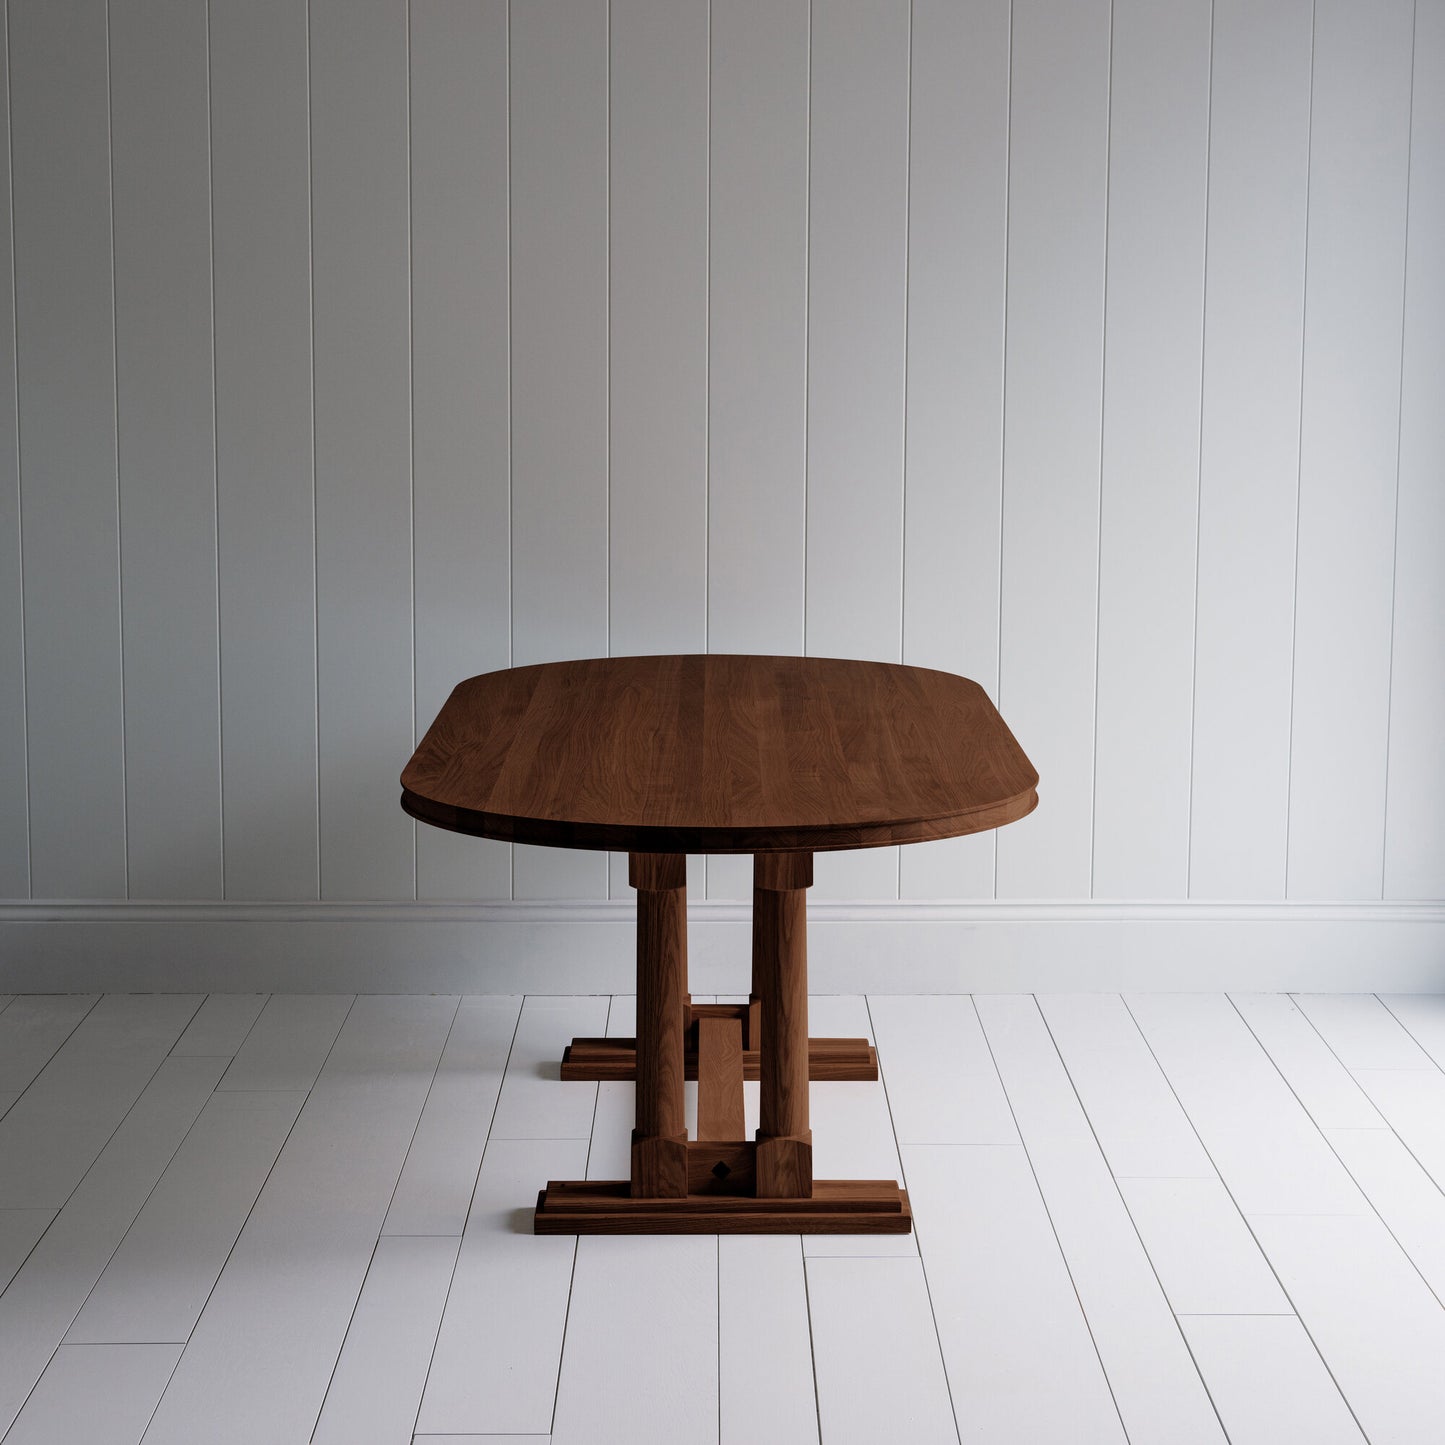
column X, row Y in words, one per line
column 1402, row 1193
column 1373, row 1319
column 1362, row 1031
column 1156, row 1388
column 95, row 1395
column 1413, row 1104
column 640, row 1359
column 376, row 1391
column 157, row 1282
column 1309, row 1066
column 289, row 1042
column 60, row 1123
column 51, row 1286
column 440, row 1173
column 765, row 1363
column 495, row 1366
column 32, row 1028
column 1201, row 1248
column 1268, row 1151
column 1268, row 1381
column 1423, row 1018
column 221, row 1024
column 942, row 1085
column 1021, row 1360
column 534, row 1102
column 281, row 1308
column 1153, row 1218
column 20, row 1230
column 1137, row 1119
column 876, row 1354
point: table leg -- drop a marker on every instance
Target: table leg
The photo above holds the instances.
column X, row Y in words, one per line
column 659, row 1140
column 780, row 977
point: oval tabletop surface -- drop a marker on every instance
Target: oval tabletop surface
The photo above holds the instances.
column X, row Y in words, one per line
column 720, row 754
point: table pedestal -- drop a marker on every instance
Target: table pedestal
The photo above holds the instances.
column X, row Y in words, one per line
column 721, row 1182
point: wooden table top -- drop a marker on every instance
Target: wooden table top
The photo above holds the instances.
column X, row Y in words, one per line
column 718, row 754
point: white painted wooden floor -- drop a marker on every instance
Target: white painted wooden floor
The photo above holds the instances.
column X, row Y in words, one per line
column 1160, row 1218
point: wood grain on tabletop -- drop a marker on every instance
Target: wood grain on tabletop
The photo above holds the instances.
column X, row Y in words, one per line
column 718, row 753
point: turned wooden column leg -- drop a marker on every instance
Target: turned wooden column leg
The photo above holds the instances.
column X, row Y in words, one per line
column 780, row 977
column 659, row 1140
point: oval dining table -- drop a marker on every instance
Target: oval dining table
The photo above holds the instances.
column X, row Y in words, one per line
column 777, row 757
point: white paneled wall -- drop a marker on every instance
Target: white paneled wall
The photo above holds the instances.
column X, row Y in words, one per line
column 1093, row 350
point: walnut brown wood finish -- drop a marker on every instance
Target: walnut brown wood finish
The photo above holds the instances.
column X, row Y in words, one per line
column 780, row 977
column 718, row 754
column 774, row 756
column 658, row 1167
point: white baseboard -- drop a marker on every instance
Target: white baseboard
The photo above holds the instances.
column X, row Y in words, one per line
column 588, row 947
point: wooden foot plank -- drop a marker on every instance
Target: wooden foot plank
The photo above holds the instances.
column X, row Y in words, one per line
column 837, row 1206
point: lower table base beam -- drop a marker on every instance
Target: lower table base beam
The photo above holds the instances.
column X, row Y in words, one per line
column 836, row 1206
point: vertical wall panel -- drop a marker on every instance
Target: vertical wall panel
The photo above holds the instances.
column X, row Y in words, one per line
column 1415, row 815
column 957, row 235
column 757, row 325
column 14, row 807
column 1058, row 115
column 64, row 323
column 160, row 154
column 361, row 285
column 559, row 123
column 460, row 445
column 1149, row 490
column 757, row 340
column 261, row 216
column 658, row 335
column 857, row 268
column 857, row 263
column 1349, row 448
column 1253, row 310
